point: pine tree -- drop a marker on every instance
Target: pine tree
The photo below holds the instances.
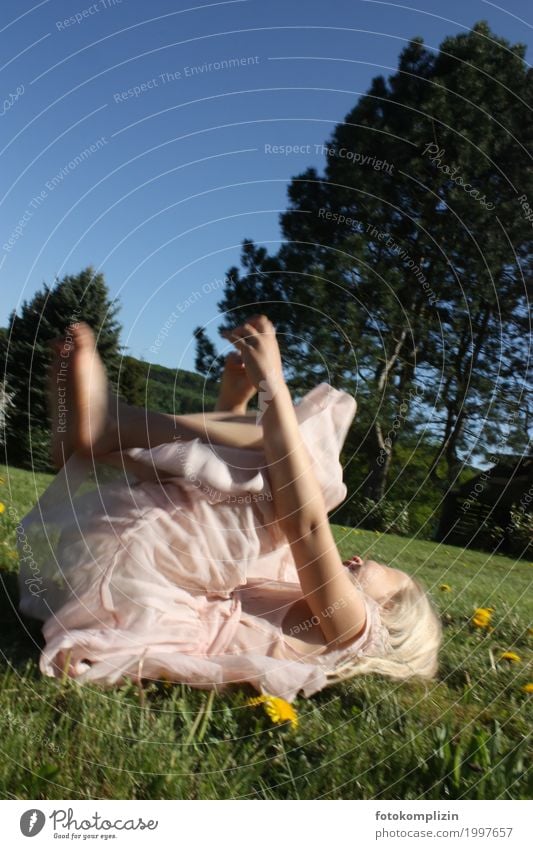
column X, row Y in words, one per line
column 207, row 362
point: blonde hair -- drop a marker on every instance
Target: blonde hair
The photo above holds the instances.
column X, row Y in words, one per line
column 415, row 633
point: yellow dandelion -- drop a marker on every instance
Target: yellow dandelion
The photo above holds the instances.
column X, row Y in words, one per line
column 482, row 614
column 2, row 507
column 278, row 709
column 510, row 656
column 482, row 617
column 445, row 588
column 528, row 688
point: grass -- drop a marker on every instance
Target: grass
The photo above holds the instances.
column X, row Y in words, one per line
column 464, row 736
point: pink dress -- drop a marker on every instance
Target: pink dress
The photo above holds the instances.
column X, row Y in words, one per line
column 174, row 566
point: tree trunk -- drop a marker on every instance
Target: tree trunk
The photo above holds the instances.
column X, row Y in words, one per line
column 381, row 453
column 376, row 482
column 455, row 420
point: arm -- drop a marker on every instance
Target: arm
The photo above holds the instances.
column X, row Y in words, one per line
column 298, row 500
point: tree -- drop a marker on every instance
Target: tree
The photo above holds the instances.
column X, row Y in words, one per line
column 401, row 273
column 206, row 362
column 84, row 296
column 132, row 381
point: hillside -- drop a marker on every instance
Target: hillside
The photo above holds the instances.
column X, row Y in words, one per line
column 176, row 390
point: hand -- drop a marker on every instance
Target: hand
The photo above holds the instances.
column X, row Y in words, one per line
column 256, row 342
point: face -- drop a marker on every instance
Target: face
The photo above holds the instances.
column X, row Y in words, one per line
column 377, row 580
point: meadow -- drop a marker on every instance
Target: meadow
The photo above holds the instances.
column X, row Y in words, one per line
column 466, row 735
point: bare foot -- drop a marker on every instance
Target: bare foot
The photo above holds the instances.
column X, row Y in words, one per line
column 236, row 389
column 59, row 404
column 94, row 430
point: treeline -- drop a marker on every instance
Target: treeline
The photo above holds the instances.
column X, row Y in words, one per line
column 25, row 355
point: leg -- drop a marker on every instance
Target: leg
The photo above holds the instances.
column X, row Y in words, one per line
column 236, row 388
column 101, row 424
column 59, row 399
column 229, row 424
column 140, row 428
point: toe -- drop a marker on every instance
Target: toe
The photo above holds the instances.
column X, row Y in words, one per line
column 83, row 334
column 234, row 360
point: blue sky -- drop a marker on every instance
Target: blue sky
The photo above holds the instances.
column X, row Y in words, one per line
column 122, row 148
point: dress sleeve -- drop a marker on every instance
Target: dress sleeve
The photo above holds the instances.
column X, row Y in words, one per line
column 324, row 416
column 378, row 638
column 374, row 640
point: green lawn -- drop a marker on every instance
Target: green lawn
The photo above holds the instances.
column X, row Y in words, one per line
column 466, row 735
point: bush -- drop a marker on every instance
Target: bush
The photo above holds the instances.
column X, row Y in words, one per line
column 385, row 516
column 423, row 519
column 516, row 538
column 520, row 534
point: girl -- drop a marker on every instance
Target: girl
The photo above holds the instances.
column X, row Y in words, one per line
column 198, row 549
